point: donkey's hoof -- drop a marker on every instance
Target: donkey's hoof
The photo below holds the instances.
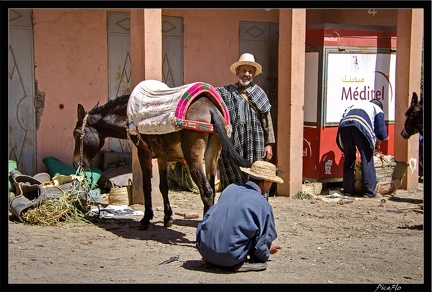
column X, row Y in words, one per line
column 143, row 227
column 168, row 223
column 144, row 224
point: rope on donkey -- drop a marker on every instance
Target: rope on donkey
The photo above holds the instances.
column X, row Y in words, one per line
column 82, row 132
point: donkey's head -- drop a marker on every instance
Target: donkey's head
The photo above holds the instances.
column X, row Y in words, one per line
column 414, row 118
column 88, row 140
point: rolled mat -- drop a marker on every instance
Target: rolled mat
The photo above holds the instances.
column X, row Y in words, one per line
column 56, row 167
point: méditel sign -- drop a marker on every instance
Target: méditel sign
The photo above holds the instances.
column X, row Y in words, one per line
column 344, row 65
column 359, row 77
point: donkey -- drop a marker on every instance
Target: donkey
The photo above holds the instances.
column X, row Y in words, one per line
column 191, row 144
column 414, row 124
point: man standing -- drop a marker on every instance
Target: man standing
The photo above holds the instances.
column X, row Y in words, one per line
column 237, row 232
column 252, row 127
column 362, row 126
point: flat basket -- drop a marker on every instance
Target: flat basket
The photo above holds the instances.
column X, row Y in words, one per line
column 313, row 188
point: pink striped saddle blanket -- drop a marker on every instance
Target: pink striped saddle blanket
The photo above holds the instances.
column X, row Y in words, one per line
column 155, row 108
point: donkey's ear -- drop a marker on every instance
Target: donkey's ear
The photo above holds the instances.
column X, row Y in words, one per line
column 414, row 99
column 95, row 106
column 81, row 112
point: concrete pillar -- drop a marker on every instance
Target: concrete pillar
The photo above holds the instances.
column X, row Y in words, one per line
column 292, row 37
column 146, row 56
column 408, row 77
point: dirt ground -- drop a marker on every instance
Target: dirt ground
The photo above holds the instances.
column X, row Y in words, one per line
column 364, row 241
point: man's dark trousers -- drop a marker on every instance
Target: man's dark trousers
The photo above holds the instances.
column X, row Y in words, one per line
column 352, row 138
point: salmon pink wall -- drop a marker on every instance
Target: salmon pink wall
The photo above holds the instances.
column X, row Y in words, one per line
column 71, row 66
column 211, row 41
column 71, row 62
column 71, row 59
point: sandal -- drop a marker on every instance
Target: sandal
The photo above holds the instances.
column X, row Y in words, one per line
column 246, row 267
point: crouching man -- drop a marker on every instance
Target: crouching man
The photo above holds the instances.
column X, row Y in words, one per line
column 237, row 232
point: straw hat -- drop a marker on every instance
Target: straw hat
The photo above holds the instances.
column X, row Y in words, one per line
column 247, row 59
column 264, row 170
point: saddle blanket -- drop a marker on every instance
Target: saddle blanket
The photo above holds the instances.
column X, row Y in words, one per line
column 155, row 108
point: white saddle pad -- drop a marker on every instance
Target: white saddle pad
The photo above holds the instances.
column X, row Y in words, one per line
column 155, row 108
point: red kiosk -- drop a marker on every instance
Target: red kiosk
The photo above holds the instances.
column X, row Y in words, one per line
column 344, row 65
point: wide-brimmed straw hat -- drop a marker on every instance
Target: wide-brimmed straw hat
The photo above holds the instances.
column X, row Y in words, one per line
column 264, row 170
column 246, row 59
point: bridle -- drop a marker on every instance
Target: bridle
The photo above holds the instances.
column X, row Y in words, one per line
column 82, row 132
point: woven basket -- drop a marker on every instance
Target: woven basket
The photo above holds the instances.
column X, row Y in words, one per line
column 389, row 176
column 313, row 188
column 120, row 196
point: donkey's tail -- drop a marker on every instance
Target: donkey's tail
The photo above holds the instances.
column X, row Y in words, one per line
column 227, row 146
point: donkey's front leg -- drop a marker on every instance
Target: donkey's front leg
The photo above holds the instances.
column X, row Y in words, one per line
column 163, row 187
